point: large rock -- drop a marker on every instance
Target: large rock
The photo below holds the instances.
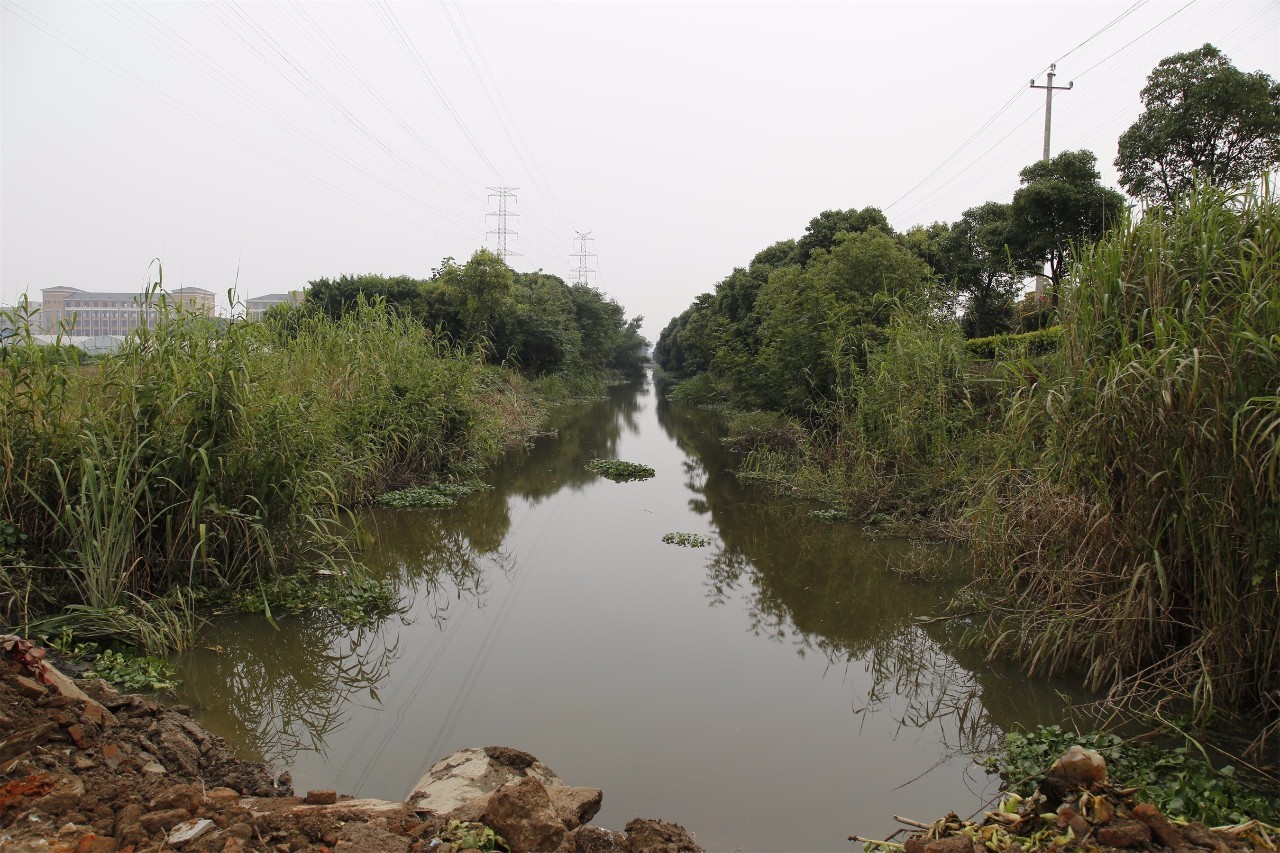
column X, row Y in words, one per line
column 522, row 813
column 469, row 774
column 575, row 806
column 657, row 836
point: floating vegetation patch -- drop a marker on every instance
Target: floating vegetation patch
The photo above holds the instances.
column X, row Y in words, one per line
column 829, row 514
column 686, row 540
column 619, row 471
column 434, row 496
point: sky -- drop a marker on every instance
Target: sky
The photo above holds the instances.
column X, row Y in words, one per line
column 262, row 145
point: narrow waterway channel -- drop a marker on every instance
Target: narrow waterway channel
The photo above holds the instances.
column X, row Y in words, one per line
column 773, row 691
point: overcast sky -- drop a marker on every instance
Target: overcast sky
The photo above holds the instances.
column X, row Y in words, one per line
column 273, row 143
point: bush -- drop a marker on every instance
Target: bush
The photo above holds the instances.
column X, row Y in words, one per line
column 1007, row 347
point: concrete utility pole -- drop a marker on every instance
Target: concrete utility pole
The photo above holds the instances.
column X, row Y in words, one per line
column 503, row 232
column 582, row 271
column 1048, row 103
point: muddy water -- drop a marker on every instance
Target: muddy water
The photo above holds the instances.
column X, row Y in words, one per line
column 774, row 691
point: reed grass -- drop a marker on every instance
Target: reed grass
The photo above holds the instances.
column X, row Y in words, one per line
column 208, row 455
column 1133, row 531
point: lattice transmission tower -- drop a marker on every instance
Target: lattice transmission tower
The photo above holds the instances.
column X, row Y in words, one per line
column 501, row 235
column 582, row 272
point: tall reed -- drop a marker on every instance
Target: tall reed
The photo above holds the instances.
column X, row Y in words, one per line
column 1135, row 533
column 209, row 454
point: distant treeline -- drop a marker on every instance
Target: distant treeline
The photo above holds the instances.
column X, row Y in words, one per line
column 532, row 322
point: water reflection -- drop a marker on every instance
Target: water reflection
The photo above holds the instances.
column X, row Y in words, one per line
column 274, row 694
column 828, row 589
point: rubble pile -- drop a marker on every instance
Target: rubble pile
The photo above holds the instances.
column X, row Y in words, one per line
column 86, row 769
column 1076, row 807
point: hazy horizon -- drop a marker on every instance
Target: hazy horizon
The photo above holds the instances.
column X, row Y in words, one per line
column 264, row 145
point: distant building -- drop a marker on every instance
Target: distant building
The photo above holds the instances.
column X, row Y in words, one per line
column 256, row 306
column 82, row 313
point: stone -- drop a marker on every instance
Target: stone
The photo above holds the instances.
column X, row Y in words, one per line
column 81, row 763
column 222, row 797
column 112, row 754
column 1124, row 833
column 65, row 796
column 657, row 836
column 185, row 797
column 471, row 773
column 1068, row 817
column 321, row 798
column 1160, row 827
column 1081, row 767
column 180, row 750
column 522, row 813
column 367, row 838
column 593, row 839
column 29, row 687
column 167, row 819
column 27, row 740
column 234, row 845
column 93, row 843
column 79, row 736
column 155, row 768
column 575, row 806
column 189, row 830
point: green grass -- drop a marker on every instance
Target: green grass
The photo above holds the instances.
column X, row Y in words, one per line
column 686, row 540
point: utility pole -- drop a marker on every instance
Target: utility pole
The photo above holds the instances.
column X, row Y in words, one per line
column 503, row 232
column 582, row 270
column 1048, row 102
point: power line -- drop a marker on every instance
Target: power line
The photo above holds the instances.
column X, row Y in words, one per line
column 140, row 84
column 1161, row 23
column 1117, row 19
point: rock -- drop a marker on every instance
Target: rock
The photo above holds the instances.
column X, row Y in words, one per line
column 950, row 844
column 93, row 843
column 470, row 811
column 82, row 763
column 367, row 838
column 180, row 750
column 472, row 773
column 222, row 797
column 321, row 798
column 1080, row 766
column 522, row 813
column 1160, row 827
column 189, row 831
column 593, row 839
column 508, row 757
column 234, row 845
column 27, row 740
column 65, row 796
column 657, row 836
column 1068, row 817
column 185, row 797
column 29, row 687
column 1124, row 833
column 575, row 806
column 166, row 819
column 155, row 768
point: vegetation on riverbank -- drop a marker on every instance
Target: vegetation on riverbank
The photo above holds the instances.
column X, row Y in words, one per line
column 210, row 463
column 1112, row 447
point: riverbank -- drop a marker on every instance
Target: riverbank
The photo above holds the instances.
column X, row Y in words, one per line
column 86, row 768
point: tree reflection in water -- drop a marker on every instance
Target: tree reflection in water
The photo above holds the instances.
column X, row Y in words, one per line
column 828, row 588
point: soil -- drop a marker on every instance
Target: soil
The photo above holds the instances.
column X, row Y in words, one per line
column 87, row 769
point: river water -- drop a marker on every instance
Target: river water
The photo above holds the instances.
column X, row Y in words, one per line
column 777, row 690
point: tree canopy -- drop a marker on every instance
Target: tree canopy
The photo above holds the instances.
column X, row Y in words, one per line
column 1202, row 117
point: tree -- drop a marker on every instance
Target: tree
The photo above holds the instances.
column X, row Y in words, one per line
column 981, row 262
column 822, row 229
column 1061, row 204
column 1203, row 117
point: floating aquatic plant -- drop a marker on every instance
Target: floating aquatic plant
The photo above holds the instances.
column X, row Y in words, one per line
column 686, row 540
column 619, row 471
column 434, row 496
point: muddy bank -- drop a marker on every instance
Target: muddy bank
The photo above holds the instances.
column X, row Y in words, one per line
column 87, row 769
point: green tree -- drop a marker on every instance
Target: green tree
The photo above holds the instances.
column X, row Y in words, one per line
column 980, row 264
column 1202, row 117
column 1061, row 204
column 823, row 229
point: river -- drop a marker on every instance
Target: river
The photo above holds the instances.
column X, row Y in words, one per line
column 776, row 690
